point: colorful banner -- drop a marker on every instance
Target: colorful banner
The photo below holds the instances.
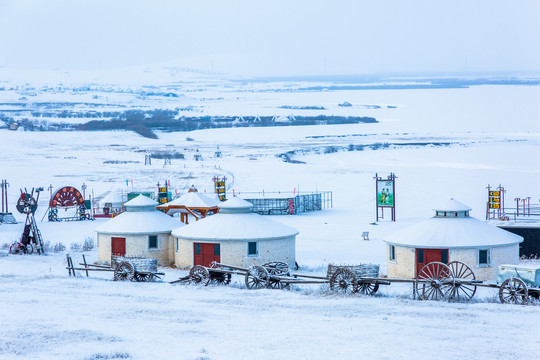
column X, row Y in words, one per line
column 385, row 192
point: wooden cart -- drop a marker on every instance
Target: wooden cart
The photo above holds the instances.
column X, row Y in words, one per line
column 124, row 268
column 256, row 277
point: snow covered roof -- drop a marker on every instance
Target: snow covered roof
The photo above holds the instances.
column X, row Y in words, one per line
column 141, row 203
column 113, row 197
column 139, row 222
column 236, row 205
column 452, row 206
column 452, row 232
column 235, row 222
column 140, row 217
column 192, row 200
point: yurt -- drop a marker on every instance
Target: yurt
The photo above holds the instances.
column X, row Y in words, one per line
column 234, row 236
column 192, row 205
column 451, row 235
column 139, row 231
column 112, row 203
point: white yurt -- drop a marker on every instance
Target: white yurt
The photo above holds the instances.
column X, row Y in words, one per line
column 139, row 231
column 113, row 202
column 234, row 236
column 192, row 206
column 451, row 235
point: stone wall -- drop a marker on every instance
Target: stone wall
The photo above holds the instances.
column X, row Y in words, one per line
column 499, row 255
column 137, row 245
column 404, row 267
column 234, row 252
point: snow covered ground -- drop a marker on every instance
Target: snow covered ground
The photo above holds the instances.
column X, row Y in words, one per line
column 475, row 137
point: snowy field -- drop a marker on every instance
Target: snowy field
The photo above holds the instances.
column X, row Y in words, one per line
column 464, row 139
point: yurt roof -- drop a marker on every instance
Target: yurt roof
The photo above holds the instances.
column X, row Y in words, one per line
column 234, row 226
column 113, row 197
column 236, row 205
column 141, row 203
column 452, row 206
column 139, row 222
column 448, row 232
column 192, row 200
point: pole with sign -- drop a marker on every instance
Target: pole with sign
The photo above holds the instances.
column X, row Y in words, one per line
column 385, row 190
column 495, row 204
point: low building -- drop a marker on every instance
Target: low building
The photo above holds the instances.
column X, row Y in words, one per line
column 139, row 231
column 234, row 236
column 451, row 235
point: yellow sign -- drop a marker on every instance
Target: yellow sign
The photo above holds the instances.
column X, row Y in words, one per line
column 494, row 199
column 494, row 193
column 494, row 206
column 162, row 189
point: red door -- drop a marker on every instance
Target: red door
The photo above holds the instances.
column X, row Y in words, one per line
column 425, row 256
column 118, row 246
column 204, row 254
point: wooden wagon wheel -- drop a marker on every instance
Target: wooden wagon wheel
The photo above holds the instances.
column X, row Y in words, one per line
column 220, row 278
column 140, row 277
column 462, row 271
column 367, row 288
column 277, row 268
column 16, row 248
column 29, row 249
column 513, row 291
column 257, row 278
column 343, row 281
column 124, row 271
column 199, row 275
column 435, row 281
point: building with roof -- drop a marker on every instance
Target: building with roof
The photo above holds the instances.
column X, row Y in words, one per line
column 451, row 235
column 139, row 231
column 112, row 203
column 234, row 236
column 192, row 205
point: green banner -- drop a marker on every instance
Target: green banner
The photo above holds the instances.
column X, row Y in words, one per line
column 385, row 192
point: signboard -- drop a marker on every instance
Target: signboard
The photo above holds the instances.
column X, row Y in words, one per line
column 219, row 187
column 163, row 194
column 385, row 193
column 494, row 200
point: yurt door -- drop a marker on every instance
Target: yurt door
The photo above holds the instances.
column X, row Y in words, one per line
column 118, row 246
column 425, row 256
column 204, row 254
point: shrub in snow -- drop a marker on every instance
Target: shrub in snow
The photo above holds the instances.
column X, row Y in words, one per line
column 75, row 247
column 88, row 244
column 330, row 149
column 116, row 355
column 59, row 247
column 5, row 246
column 189, row 139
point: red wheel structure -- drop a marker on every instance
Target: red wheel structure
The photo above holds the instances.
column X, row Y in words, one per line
column 66, row 196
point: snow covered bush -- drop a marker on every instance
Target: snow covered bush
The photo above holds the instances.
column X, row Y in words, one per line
column 4, row 246
column 59, row 247
column 88, row 244
column 75, row 247
column 116, row 355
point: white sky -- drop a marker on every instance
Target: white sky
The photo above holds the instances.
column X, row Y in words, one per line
column 274, row 37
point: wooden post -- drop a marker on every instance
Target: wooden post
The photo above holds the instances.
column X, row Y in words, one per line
column 85, row 265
